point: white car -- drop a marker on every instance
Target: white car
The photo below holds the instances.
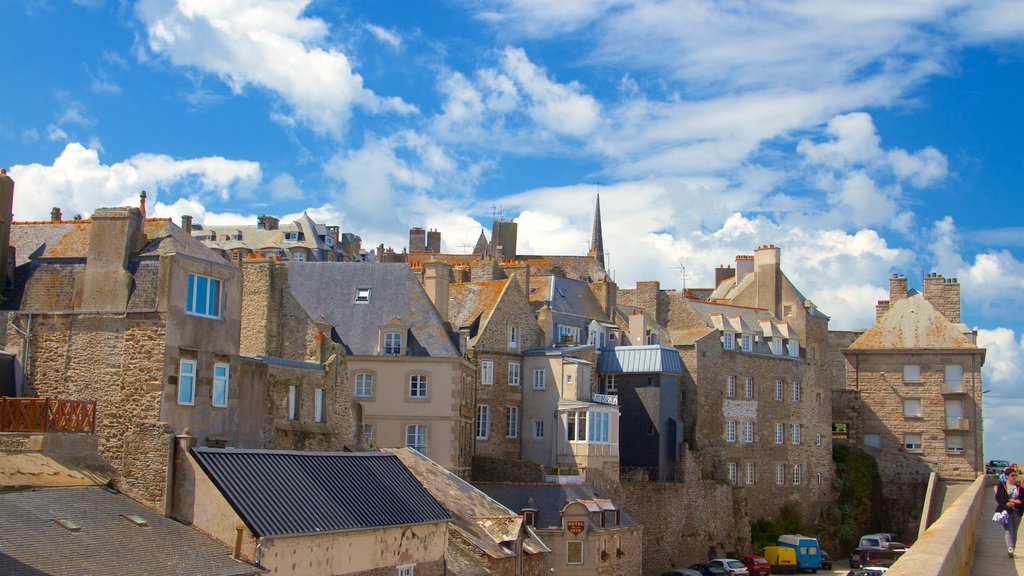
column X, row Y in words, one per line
column 732, row 566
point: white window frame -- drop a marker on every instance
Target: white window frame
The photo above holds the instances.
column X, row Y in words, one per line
column 797, row 474
column 953, row 374
column 187, row 382
column 418, row 387
column 221, row 384
column 293, row 403
column 794, row 347
column 513, row 337
column 576, row 426
column 363, row 295
column 611, row 384
column 751, row 476
column 515, row 372
column 955, row 449
column 776, row 346
column 512, row 422
column 796, row 391
column 746, row 342
column 730, row 431
column 732, row 474
column 817, row 439
column 908, row 408
column 318, row 405
column 794, row 434
column 730, row 386
column 368, row 432
column 569, row 554
column 561, row 331
column 392, row 344
column 728, row 341
column 748, row 387
column 908, row 442
column 911, row 372
column 213, row 299
column 778, row 390
column 487, row 372
column 538, row 429
column 748, row 432
column 406, row 569
column 291, row 236
column 780, row 433
column 539, row 375
column 780, row 474
column 418, row 433
column 483, row 422
column 599, row 427
column 298, row 256
column 363, row 387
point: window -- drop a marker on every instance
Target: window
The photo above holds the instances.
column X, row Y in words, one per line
column 748, row 432
column 538, row 379
column 512, row 422
column 529, row 518
column 797, row 473
column 954, row 378
column 912, row 442
column 299, row 256
column 748, row 387
column 746, row 342
column 796, row 391
column 392, row 344
column 574, row 552
column 538, row 429
column 730, row 431
column 203, row 296
column 513, row 338
column 955, row 444
column 329, row 241
column 780, row 433
column 780, row 474
column 368, row 432
column 599, row 425
column 417, row 386
column 364, row 386
column 487, row 372
column 318, row 405
column 778, row 390
column 817, row 397
column 732, row 472
column 406, row 569
column 611, row 384
column 293, row 402
column 576, row 427
column 567, row 334
column 776, row 346
column 220, row 384
column 873, row 440
column 787, row 310
column 912, row 407
column 483, row 421
column 794, row 347
column 730, row 387
column 794, row 433
column 513, row 373
column 362, row 295
column 911, row 373
column 416, row 438
column 187, row 382
column 291, row 236
column 728, row 340
column 751, row 477
column 817, row 439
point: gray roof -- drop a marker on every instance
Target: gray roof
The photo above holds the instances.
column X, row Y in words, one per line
column 565, row 297
column 328, row 290
column 913, row 323
column 31, row 544
column 549, row 499
column 640, row 360
column 283, row 493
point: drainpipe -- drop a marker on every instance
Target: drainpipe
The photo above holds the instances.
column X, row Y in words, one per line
column 19, row 387
column 258, row 552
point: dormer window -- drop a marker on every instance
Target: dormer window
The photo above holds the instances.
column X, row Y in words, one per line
column 363, row 295
column 291, row 236
column 746, row 342
column 728, row 341
column 329, row 241
column 794, row 348
column 530, row 518
column 392, row 344
column 776, row 346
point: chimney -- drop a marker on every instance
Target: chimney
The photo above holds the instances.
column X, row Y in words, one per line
column 744, row 266
column 768, row 278
column 723, row 273
column 261, row 222
column 637, row 328
column 270, row 222
column 142, row 203
column 434, row 241
column 607, row 293
column 417, row 240
column 55, row 215
column 547, row 325
column 943, row 294
column 114, row 235
column 897, row 288
column 880, row 309
column 186, row 224
column 648, row 296
column 503, row 238
column 6, row 205
column 436, row 276
column 521, row 272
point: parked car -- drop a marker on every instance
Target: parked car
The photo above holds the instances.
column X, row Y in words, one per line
column 870, row 556
column 732, row 566
column 871, row 571
column 681, row 572
column 756, row 565
column 781, row 559
column 826, row 560
column 709, row 570
column 996, row 466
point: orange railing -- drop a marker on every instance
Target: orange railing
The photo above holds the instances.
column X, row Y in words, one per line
column 47, row 415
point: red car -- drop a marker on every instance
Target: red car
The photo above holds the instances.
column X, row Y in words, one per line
column 756, row 565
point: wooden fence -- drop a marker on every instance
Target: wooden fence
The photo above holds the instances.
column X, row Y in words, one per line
column 47, row 415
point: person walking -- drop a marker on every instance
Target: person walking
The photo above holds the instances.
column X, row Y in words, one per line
column 1008, row 499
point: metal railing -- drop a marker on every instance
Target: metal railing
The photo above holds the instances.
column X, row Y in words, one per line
column 47, row 415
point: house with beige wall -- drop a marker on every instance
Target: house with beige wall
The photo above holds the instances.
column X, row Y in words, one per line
column 302, row 240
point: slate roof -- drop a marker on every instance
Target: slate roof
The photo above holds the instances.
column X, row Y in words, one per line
column 31, row 544
column 328, row 290
column 914, row 323
column 283, row 493
column 566, row 297
column 472, row 301
column 549, row 500
column 255, row 238
column 640, row 360
column 479, row 519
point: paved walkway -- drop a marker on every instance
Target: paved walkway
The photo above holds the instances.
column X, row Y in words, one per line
column 990, row 557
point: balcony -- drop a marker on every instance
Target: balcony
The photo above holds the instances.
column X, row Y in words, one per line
column 957, row 424
column 953, row 388
column 605, row 399
column 41, row 415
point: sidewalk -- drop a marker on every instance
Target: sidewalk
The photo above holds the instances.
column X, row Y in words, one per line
column 990, row 557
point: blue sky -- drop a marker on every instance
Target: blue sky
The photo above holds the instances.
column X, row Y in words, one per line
column 863, row 139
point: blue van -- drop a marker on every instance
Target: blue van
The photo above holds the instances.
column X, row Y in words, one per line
column 808, row 554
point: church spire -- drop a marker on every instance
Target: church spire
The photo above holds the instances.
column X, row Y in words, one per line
column 597, row 238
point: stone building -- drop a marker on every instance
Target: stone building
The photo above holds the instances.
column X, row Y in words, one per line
column 912, row 394
column 756, row 400
column 302, row 240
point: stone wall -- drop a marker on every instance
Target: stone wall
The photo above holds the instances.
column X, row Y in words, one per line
column 487, row 469
column 339, row 428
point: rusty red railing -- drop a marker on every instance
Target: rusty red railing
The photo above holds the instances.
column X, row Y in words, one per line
column 47, row 415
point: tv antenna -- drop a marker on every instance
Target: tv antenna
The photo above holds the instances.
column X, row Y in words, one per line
column 496, row 212
column 468, row 247
column 682, row 274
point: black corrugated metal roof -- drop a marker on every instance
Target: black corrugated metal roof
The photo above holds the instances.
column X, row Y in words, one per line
column 283, row 493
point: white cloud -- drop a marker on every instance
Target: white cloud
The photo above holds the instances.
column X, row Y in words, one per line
column 56, row 134
column 386, row 36
column 284, row 187
column 561, row 108
column 78, row 182
column 983, row 22
column 1003, row 404
column 269, row 45
column 921, row 168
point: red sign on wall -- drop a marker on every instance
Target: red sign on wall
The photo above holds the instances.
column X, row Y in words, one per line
column 575, row 526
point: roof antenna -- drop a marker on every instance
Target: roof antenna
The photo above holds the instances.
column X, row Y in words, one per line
column 682, row 274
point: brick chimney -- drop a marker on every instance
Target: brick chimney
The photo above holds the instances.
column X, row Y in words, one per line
column 880, row 309
column 943, row 294
column 648, row 296
column 6, row 205
column 55, row 215
column 723, row 273
column 898, row 288
column 637, row 328
column 114, row 235
column 436, row 276
column 607, row 293
column 186, row 223
column 767, row 260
